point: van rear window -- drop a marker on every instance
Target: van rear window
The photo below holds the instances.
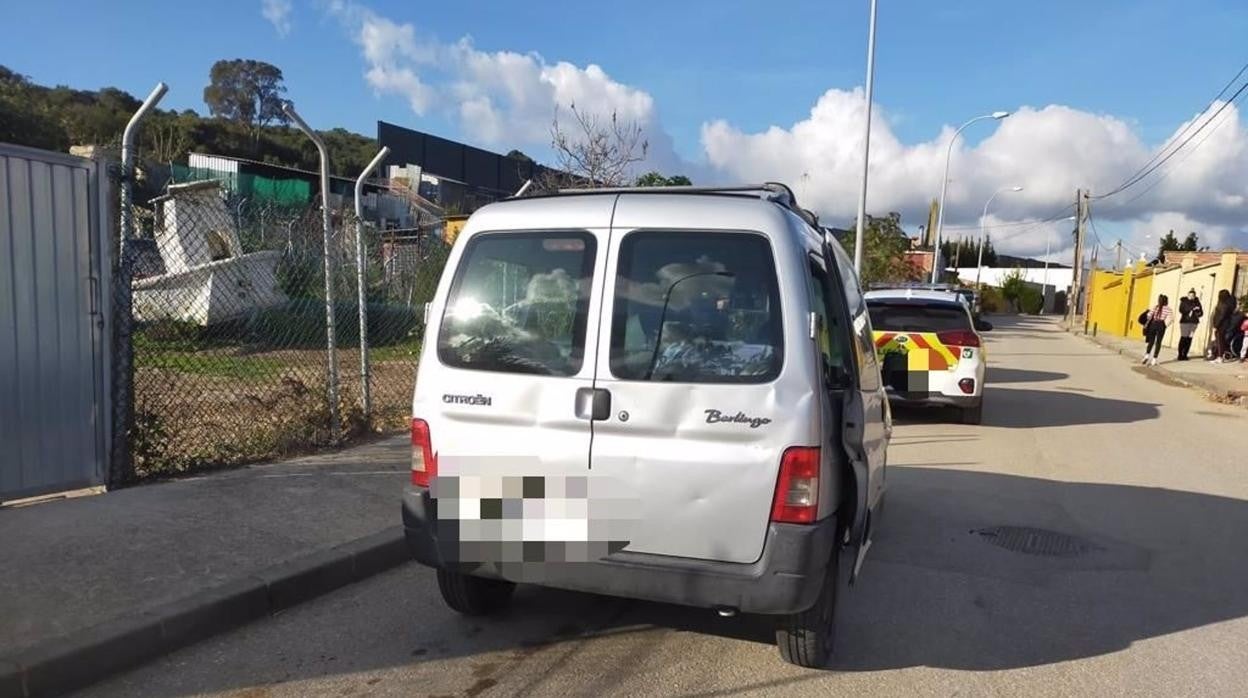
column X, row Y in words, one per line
column 519, row 302
column 695, row 307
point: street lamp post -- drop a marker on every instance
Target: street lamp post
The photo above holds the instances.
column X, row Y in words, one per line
column 944, row 183
column 979, row 262
column 866, row 146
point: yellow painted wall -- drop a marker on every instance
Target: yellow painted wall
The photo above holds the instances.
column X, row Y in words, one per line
column 1105, row 302
column 1140, row 297
column 1116, row 300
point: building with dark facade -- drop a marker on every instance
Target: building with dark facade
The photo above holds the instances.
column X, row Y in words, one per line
column 456, row 176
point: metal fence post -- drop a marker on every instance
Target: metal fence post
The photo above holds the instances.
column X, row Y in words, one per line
column 122, row 466
column 331, row 340
column 360, row 263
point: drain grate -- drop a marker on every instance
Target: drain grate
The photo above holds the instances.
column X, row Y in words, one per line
column 1036, row 541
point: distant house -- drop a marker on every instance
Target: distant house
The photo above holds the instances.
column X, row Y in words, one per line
column 458, row 177
column 290, row 186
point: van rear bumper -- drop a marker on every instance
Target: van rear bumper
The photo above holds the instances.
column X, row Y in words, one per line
column 785, row 579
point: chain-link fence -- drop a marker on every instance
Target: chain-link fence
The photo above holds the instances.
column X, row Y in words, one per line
column 230, row 332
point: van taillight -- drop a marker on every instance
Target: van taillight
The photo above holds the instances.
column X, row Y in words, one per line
column 958, row 338
column 424, row 463
column 797, row 489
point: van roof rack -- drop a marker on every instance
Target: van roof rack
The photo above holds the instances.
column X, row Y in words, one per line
column 769, row 191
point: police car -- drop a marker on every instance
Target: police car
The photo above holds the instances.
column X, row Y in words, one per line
column 930, row 349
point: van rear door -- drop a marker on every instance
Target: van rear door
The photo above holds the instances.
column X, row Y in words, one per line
column 514, row 349
column 691, row 346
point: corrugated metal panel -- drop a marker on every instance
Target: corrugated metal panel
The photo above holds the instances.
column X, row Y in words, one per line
column 51, row 323
column 214, row 163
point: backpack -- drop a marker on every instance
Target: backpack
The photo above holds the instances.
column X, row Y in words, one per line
column 1143, row 319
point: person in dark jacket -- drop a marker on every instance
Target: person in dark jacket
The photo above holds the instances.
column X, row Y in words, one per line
column 1190, row 312
column 1156, row 322
column 1223, row 317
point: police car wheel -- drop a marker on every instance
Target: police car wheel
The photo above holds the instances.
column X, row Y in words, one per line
column 973, row 415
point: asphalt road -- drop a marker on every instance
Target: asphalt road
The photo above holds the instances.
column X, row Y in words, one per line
column 1135, row 491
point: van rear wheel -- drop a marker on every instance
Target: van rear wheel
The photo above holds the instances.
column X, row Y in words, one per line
column 806, row 639
column 474, row 596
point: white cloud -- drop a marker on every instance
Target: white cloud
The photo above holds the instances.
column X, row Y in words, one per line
column 278, row 14
column 505, row 99
column 501, row 99
column 1049, row 151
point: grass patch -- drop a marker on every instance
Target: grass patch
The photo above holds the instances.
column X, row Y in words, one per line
column 200, row 363
column 406, row 351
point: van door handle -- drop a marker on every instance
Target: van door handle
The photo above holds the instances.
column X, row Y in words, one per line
column 593, row 403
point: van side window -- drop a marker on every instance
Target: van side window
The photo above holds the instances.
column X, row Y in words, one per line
column 519, row 304
column 864, row 346
column 693, row 307
column 831, row 337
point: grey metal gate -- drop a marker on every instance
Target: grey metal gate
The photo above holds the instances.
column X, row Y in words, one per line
column 54, row 322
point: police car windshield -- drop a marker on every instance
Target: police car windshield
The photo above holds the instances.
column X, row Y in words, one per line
column 917, row 316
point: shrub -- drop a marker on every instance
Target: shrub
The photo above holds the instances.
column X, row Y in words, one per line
column 990, row 300
column 1030, row 301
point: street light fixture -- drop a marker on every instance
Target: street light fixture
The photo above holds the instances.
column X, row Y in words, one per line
column 979, row 261
column 944, row 183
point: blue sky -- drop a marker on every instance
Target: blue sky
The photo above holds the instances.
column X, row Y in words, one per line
column 1148, row 64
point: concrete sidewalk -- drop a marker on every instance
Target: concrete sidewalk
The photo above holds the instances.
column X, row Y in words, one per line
column 92, row 585
column 1224, row 382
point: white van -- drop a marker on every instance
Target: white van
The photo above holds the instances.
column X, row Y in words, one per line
column 668, row 394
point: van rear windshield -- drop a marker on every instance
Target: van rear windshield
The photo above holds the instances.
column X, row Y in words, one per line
column 696, row 307
column 519, row 303
column 917, row 316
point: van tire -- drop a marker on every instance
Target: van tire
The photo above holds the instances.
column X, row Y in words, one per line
column 973, row 415
column 474, row 596
column 806, row 639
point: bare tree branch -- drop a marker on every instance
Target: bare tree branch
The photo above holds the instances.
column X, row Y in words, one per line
column 594, row 153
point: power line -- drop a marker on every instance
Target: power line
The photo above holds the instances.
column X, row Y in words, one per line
column 1032, row 225
column 1012, row 224
column 1159, row 159
column 1176, row 165
column 1097, row 235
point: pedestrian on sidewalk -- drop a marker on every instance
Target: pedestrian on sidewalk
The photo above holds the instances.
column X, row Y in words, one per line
column 1159, row 319
column 1243, row 337
column 1190, row 312
column 1221, row 324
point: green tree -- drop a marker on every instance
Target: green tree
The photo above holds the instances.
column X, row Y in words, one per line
column 654, row 178
column 23, row 117
column 1191, row 243
column 883, row 250
column 1013, row 286
column 55, row 118
column 1169, row 243
column 247, row 92
column 965, row 251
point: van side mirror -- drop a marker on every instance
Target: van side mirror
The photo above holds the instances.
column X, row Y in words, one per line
column 983, row 326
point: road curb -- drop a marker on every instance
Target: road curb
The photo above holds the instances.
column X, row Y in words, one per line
column 1212, row 390
column 66, row 663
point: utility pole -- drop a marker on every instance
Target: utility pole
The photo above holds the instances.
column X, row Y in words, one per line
column 1118, row 255
column 1076, row 286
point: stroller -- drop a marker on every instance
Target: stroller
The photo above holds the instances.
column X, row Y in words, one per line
column 1233, row 336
